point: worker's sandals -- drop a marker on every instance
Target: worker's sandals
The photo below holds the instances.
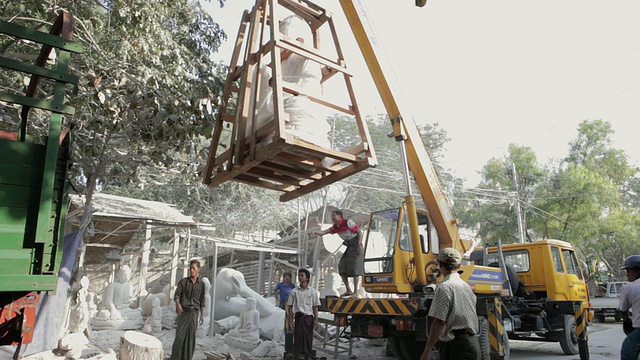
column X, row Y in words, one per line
column 346, row 294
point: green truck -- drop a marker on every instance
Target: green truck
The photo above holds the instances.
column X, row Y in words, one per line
column 32, row 172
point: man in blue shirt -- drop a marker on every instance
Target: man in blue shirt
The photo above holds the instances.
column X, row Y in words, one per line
column 284, row 289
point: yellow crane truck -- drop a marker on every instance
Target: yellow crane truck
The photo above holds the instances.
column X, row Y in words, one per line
column 533, row 291
column 401, row 244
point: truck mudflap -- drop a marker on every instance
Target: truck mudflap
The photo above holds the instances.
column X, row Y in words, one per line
column 581, row 331
column 382, row 307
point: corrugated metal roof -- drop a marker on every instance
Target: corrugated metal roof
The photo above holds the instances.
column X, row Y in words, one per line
column 112, row 206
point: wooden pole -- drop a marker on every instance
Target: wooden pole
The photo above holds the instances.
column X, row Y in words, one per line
column 185, row 265
column 146, row 249
column 261, row 262
column 214, row 281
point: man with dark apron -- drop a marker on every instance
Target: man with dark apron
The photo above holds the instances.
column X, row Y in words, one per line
column 352, row 261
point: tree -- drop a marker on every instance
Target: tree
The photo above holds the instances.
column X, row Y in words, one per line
column 491, row 206
column 588, row 197
column 382, row 187
column 148, row 87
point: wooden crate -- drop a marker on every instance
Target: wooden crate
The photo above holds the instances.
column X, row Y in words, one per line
column 270, row 130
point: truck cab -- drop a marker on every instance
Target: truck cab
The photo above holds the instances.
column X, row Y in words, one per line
column 548, row 287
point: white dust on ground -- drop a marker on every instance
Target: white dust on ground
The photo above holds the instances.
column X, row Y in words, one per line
column 105, row 339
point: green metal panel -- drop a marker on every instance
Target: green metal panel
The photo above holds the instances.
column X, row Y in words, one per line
column 13, row 195
column 12, row 234
column 33, row 176
column 37, row 70
column 40, row 104
column 43, row 229
column 59, row 232
column 18, row 175
column 21, row 153
column 28, row 282
column 16, row 262
column 39, row 37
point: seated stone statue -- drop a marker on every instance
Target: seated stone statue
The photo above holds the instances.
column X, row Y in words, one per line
column 154, row 322
column 247, row 335
column 232, row 293
column 147, row 305
column 114, row 311
column 249, row 325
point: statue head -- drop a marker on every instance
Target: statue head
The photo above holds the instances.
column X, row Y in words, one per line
column 251, row 303
column 124, row 274
column 121, row 276
column 84, row 282
column 295, row 27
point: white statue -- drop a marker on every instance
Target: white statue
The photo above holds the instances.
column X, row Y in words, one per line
column 249, row 325
column 306, row 119
column 332, row 284
column 203, row 330
column 169, row 314
column 232, row 293
column 247, row 335
column 79, row 312
column 114, row 311
column 91, row 303
column 147, row 305
column 155, row 320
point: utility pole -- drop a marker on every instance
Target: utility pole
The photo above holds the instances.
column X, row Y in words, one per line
column 521, row 236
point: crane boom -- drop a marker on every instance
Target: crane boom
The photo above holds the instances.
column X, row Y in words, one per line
column 404, row 129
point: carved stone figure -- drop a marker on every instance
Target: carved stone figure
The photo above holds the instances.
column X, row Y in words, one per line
column 332, row 284
column 249, row 324
column 79, row 312
column 155, row 320
column 147, row 305
column 114, row 312
column 231, row 296
column 247, row 335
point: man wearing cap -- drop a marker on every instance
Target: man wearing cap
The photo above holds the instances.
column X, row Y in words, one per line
column 453, row 313
column 630, row 300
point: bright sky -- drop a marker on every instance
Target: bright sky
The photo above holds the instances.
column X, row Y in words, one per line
column 494, row 72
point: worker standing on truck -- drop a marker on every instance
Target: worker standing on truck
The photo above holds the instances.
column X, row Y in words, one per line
column 352, row 261
column 630, row 300
column 453, row 313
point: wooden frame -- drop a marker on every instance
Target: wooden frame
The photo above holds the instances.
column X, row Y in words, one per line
column 266, row 155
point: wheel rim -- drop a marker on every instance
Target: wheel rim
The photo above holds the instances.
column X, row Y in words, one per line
column 574, row 335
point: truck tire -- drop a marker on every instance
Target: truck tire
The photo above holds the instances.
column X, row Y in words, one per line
column 600, row 318
column 483, row 339
column 569, row 336
column 513, row 276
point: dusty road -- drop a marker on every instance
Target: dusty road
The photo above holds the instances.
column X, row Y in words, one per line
column 604, row 343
